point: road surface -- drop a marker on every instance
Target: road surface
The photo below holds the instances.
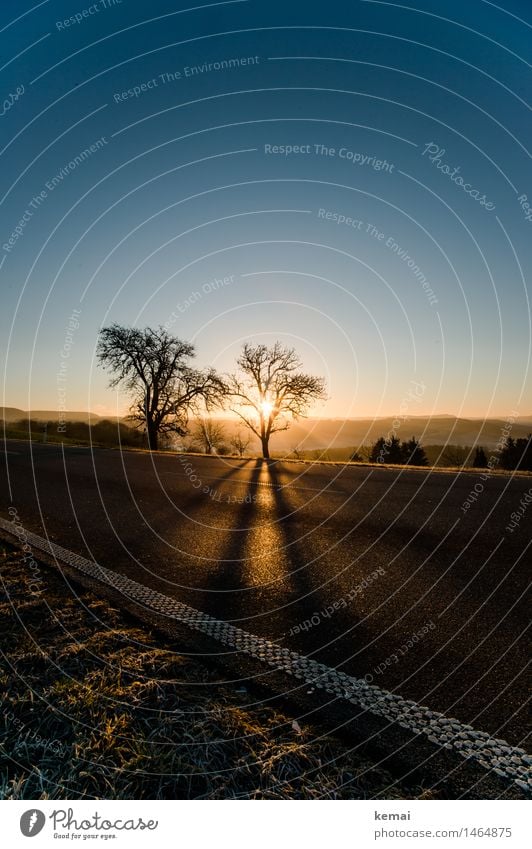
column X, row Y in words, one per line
column 383, row 573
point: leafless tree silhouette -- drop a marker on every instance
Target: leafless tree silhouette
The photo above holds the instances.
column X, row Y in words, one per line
column 270, row 389
column 240, row 442
column 208, row 433
column 155, row 368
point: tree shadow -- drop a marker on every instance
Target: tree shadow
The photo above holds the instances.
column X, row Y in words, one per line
column 279, row 609
column 228, row 591
column 323, row 636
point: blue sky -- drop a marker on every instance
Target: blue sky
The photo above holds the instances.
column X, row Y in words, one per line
column 347, row 177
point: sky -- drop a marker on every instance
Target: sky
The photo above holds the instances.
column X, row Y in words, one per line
column 351, row 178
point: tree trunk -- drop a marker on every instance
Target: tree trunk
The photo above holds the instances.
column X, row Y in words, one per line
column 265, row 448
column 153, row 436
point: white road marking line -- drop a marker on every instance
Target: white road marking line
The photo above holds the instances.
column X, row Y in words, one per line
column 491, row 753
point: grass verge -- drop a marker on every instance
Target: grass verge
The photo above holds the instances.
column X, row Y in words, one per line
column 95, row 706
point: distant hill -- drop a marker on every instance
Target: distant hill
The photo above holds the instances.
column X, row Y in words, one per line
column 13, row 414
column 311, row 434
column 435, row 430
column 322, row 434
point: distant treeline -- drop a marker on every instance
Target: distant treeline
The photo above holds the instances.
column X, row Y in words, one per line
column 104, row 432
column 516, row 454
column 392, row 450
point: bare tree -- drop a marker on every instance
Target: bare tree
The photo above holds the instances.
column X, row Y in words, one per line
column 155, row 368
column 240, row 442
column 270, row 390
column 209, row 433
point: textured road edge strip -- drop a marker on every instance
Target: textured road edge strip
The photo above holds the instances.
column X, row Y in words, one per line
column 508, row 761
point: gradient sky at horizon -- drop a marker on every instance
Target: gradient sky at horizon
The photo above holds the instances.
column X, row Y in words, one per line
column 182, row 218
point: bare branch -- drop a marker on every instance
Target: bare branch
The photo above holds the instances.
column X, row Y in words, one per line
column 273, row 390
column 153, row 367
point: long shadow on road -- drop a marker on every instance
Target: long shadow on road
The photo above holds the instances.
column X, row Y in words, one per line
column 310, row 624
column 227, row 584
column 264, row 582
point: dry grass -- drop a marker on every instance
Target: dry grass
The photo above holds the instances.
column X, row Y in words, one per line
column 96, row 707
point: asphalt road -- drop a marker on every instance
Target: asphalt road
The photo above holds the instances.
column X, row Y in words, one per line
column 345, row 564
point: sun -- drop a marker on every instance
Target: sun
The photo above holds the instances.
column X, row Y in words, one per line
column 266, row 408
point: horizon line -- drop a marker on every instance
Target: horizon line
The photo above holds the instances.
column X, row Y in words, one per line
column 472, row 417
